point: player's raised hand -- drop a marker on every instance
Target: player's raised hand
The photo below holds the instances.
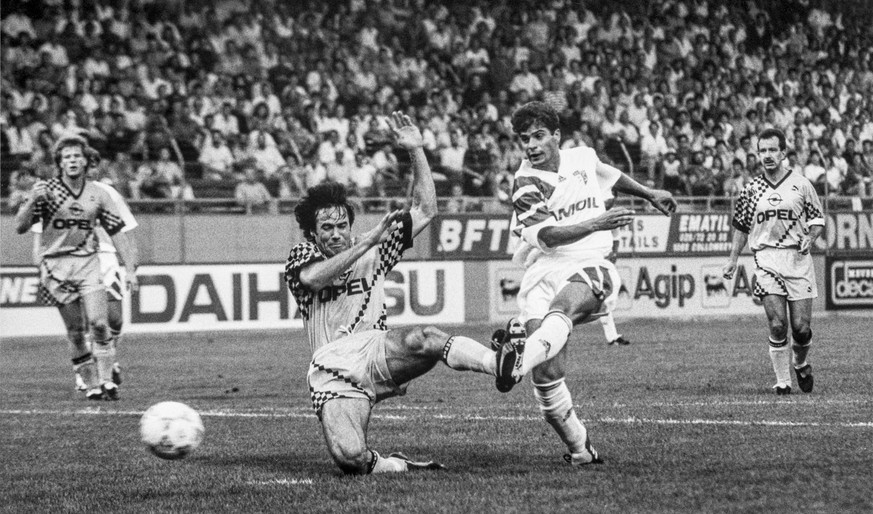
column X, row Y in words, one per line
column 41, row 192
column 406, row 133
column 663, row 201
column 380, row 231
column 614, row 218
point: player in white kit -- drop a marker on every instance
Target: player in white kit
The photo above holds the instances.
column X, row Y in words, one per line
column 338, row 283
column 779, row 214
column 566, row 235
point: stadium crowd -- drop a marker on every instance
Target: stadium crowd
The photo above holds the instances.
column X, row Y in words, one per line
column 262, row 98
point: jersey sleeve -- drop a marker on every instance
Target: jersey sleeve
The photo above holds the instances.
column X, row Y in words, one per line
column 744, row 212
column 130, row 222
column 302, row 255
column 607, row 175
column 399, row 239
column 108, row 214
column 531, row 211
column 812, row 206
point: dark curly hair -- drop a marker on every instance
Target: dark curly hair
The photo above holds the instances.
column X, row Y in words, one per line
column 322, row 196
column 533, row 112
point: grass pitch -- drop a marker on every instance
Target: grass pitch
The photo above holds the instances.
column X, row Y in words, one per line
column 684, row 417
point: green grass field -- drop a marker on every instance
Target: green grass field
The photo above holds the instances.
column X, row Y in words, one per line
column 684, row 417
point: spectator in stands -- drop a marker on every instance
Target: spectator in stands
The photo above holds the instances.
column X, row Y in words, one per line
column 251, row 193
column 216, row 157
column 478, row 167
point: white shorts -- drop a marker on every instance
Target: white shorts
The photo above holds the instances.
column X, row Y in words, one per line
column 546, row 277
column 784, row 272
column 352, row 367
column 110, row 273
column 67, row 278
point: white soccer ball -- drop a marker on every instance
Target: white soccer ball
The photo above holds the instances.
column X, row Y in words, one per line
column 171, row 430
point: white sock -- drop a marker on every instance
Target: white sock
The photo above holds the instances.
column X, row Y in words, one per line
column 557, row 407
column 387, row 464
column 608, row 324
column 462, row 353
column 87, row 369
column 104, row 354
column 781, row 360
column 546, row 341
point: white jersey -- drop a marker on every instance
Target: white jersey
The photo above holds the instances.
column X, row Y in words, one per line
column 574, row 194
column 104, row 241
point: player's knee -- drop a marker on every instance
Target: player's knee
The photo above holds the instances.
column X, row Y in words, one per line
column 428, row 340
column 801, row 334
column 778, row 329
column 547, row 372
column 76, row 334
column 351, row 461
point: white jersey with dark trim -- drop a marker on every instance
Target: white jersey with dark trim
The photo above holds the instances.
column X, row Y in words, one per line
column 572, row 195
column 69, row 219
column 777, row 215
column 104, row 241
column 356, row 300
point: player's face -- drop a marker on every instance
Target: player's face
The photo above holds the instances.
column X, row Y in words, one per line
column 73, row 161
column 769, row 153
column 541, row 146
column 333, row 232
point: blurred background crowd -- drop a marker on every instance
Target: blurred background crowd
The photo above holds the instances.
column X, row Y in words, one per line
column 260, row 99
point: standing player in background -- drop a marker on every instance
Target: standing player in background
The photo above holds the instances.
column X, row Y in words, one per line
column 338, row 283
column 69, row 207
column 565, row 235
column 779, row 214
column 110, row 271
column 608, row 320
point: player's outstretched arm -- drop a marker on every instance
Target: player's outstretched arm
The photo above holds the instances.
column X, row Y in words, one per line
column 660, row 199
column 560, row 236
column 321, row 274
column 424, row 204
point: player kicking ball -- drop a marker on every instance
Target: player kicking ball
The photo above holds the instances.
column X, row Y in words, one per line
column 779, row 214
column 566, row 236
column 339, row 284
column 68, row 208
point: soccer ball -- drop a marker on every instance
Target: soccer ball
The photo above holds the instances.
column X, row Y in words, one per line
column 171, row 430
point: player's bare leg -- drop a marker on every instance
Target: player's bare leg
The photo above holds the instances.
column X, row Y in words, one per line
column 104, row 345
column 413, row 352
column 84, row 364
column 344, row 423
column 550, row 388
column 775, row 306
column 801, row 334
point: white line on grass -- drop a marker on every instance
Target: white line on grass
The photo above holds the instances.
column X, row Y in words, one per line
column 287, row 413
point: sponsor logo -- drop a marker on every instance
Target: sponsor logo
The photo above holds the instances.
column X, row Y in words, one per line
column 588, row 203
column 774, row 199
column 76, row 209
column 851, row 283
column 19, row 290
column 63, row 224
column 779, row 214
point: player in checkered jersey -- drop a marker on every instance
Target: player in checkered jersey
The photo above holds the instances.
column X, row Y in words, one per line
column 338, row 283
column 565, row 236
column 69, row 207
column 110, row 271
column 779, row 214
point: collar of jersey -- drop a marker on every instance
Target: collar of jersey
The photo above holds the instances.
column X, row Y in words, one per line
column 777, row 184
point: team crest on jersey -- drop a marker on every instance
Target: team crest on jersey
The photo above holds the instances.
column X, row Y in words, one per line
column 76, row 209
column 582, row 174
column 774, row 199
